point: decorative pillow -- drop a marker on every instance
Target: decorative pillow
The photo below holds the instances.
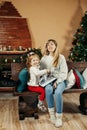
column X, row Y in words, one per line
column 22, row 80
column 84, row 74
column 82, row 81
column 70, row 80
column 77, row 79
column 85, row 85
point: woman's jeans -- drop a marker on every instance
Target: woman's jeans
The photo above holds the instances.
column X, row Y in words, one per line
column 54, row 96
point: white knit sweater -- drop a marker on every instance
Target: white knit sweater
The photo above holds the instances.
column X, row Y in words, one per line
column 60, row 72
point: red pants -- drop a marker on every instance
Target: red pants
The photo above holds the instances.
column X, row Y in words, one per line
column 39, row 90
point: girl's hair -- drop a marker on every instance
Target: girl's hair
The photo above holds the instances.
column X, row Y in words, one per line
column 55, row 53
column 29, row 58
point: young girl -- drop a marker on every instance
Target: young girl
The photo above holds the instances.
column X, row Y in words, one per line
column 57, row 64
column 33, row 61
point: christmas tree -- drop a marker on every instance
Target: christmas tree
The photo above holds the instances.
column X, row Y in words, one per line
column 78, row 52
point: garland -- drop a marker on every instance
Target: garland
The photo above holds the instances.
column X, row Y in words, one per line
column 19, row 58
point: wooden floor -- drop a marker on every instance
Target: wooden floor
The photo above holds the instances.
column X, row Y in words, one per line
column 72, row 118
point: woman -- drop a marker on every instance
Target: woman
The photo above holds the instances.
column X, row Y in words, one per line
column 57, row 64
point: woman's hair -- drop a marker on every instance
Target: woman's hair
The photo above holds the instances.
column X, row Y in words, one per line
column 55, row 53
column 29, row 58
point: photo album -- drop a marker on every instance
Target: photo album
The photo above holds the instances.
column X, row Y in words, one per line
column 46, row 79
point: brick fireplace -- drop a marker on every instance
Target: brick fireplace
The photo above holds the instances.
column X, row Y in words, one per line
column 15, row 38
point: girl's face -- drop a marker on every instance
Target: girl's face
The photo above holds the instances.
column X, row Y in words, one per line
column 35, row 61
column 51, row 47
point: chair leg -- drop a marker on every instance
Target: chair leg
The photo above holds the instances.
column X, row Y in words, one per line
column 28, row 108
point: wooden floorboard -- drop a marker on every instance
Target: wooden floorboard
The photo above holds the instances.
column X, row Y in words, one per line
column 72, row 117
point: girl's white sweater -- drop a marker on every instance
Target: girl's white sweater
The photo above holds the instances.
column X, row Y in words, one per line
column 35, row 74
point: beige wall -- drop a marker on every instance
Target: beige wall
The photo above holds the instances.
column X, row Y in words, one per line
column 57, row 19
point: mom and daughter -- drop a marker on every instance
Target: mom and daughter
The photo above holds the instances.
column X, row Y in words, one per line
column 55, row 63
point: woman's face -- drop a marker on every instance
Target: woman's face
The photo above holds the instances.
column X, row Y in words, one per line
column 51, row 47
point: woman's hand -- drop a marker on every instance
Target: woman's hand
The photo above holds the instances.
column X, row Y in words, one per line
column 54, row 85
column 48, row 71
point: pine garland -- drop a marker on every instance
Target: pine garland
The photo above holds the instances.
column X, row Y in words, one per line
column 19, row 58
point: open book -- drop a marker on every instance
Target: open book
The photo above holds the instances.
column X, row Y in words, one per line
column 46, row 79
